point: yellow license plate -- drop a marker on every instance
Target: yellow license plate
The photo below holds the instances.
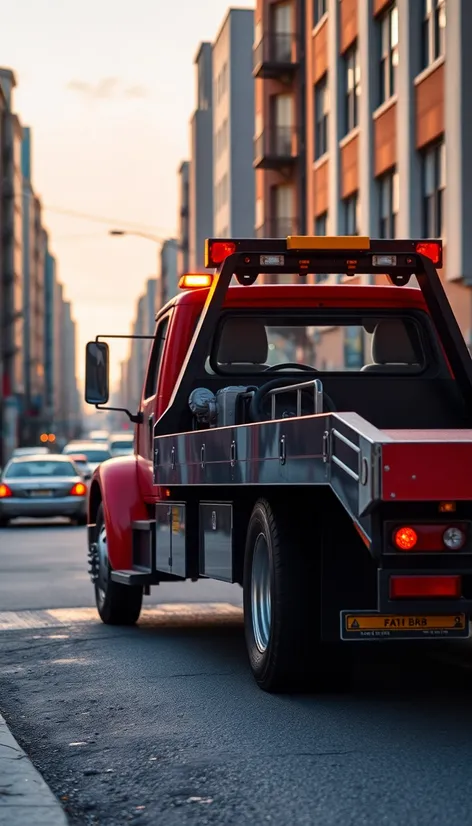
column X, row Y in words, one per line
column 359, row 625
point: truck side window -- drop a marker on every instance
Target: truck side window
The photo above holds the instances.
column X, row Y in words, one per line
column 156, row 357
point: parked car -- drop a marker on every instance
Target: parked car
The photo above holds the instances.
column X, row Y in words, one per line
column 42, row 486
column 31, row 451
column 121, row 444
column 95, row 452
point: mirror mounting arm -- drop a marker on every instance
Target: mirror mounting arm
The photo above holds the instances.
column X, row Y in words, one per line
column 136, row 418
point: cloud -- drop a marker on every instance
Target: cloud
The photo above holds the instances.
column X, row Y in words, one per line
column 107, row 88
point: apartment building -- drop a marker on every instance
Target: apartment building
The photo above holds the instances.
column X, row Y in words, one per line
column 12, row 321
column 183, row 222
column 201, row 160
column 168, row 278
column 233, row 126
column 379, row 89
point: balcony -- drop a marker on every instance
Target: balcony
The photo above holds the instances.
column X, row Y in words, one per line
column 276, row 56
column 276, row 147
column 278, row 228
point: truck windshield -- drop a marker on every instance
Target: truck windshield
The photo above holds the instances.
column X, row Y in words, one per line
column 349, row 343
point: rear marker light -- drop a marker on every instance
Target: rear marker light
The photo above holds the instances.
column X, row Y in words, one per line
column 5, row 491
column 220, row 250
column 195, row 280
column 78, row 490
column 430, row 250
column 453, row 539
column 411, row 587
column 405, row 539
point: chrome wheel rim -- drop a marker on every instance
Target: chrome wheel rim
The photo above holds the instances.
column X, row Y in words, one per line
column 261, row 593
column 102, row 564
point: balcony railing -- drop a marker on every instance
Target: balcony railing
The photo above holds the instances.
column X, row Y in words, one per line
column 275, row 147
column 275, row 55
column 278, row 228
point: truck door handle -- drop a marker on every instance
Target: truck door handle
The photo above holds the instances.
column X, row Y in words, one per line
column 151, row 429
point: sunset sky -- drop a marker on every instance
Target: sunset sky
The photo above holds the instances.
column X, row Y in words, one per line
column 108, row 88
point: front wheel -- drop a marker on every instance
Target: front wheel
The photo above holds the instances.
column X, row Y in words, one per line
column 117, row 604
column 282, row 584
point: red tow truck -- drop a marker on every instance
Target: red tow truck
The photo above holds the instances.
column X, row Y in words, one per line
column 309, row 441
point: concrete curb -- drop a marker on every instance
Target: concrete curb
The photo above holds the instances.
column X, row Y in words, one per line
column 25, row 798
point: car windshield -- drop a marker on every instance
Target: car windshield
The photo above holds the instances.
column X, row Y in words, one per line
column 346, row 342
column 46, row 469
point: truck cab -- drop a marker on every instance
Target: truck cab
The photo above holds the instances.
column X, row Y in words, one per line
column 295, row 438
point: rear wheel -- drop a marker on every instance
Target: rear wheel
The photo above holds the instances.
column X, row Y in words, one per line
column 282, row 604
column 117, row 604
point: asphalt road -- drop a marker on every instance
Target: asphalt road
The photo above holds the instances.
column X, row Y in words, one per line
column 163, row 724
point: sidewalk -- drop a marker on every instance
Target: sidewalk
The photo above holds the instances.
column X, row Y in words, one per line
column 25, row 798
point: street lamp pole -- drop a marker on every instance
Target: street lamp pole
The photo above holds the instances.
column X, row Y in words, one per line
column 148, row 235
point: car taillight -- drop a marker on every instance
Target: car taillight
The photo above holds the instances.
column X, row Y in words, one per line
column 78, row 490
column 411, row 587
column 5, row 491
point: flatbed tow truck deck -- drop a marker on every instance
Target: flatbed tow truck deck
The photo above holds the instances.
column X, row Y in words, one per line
column 341, row 502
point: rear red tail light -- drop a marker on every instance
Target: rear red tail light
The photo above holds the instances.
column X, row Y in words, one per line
column 406, row 538
column 430, row 249
column 410, row 587
column 78, row 490
column 5, row 491
column 429, row 538
column 219, row 250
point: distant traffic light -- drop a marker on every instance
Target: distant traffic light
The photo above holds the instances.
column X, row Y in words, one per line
column 47, row 437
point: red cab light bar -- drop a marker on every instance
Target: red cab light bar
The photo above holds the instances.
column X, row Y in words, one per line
column 420, row 587
column 218, row 249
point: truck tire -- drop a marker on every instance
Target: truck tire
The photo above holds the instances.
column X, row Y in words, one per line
column 281, row 603
column 117, row 604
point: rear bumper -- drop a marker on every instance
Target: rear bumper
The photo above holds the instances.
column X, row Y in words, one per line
column 71, row 506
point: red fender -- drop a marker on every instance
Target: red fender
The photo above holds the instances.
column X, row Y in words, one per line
column 115, row 484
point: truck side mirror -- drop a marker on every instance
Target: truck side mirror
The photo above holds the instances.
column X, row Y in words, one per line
column 96, row 373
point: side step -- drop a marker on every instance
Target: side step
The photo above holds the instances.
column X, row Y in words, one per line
column 134, row 578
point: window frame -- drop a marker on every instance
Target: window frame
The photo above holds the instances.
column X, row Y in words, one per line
column 388, row 53
column 320, row 8
column 321, row 123
column 157, row 353
column 352, row 199
column 433, row 34
column 389, row 180
column 432, row 202
column 351, row 94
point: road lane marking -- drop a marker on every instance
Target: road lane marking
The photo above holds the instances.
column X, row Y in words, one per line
column 176, row 614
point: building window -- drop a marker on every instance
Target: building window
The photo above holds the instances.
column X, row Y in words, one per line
column 434, row 30
column 321, row 117
column 321, row 228
column 434, row 184
column 353, row 88
column 351, row 215
column 321, row 224
column 389, row 197
column 320, row 8
column 389, row 53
